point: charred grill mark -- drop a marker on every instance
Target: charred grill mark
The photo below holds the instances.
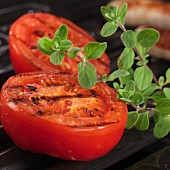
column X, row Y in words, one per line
column 93, row 93
column 48, row 99
column 35, row 100
column 34, row 47
column 96, row 109
column 17, row 100
column 80, row 95
column 40, row 113
column 14, row 87
column 89, row 112
column 38, row 33
column 31, row 88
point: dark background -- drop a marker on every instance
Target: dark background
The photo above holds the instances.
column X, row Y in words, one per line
column 135, row 147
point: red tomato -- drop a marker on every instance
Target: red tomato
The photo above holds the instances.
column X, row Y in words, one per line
column 51, row 113
column 23, row 37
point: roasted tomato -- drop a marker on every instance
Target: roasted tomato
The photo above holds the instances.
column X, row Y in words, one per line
column 51, row 113
column 25, row 56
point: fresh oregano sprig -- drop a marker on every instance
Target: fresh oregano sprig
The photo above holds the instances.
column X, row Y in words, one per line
column 59, row 45
column 137, row 85
column 140, row 88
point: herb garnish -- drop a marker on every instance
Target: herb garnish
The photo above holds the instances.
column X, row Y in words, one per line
column 137, row 87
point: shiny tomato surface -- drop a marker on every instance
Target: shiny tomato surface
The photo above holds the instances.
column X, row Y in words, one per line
column 26, row 57
column 51, row 113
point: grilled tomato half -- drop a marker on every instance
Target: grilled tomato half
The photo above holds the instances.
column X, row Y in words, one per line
column 51, row 113
column 26, row 57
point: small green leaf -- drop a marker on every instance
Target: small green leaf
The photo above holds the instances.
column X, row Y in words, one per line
column 132, row 119
column 117, row 74
column 126, row 59
column 168, row 75
column 130, row 86
column 157, row 117
column 87, row 75
column 57, row 57
column 166, row 91
column 143, row 77
column 142, row 50
column 56, row 39
column 162, row 127
column 137, row 99
column 125, row 99
column 148, row 37
column 161, row 80
column 109, row 12
column 94, row 50
column 109, row 28
column 157, row 96
column 143, row 62
column 45, row 45
column 116, row 85
column 126, row 79
column 62, row 32
column 129, row 39
column 122, row 12
column 148, row 91
column 104, row 77
column 65, row 45
column 163, row 106
column 73, row 52
column 143, row 121
column 123, row 93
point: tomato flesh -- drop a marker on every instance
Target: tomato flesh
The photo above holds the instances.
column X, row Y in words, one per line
column 51, row 113
column 26, row 57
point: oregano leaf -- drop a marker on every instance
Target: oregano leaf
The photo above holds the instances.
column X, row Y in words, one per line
column 168, row 75
column 65, row 45
column 109, row 28
column 62, row 32
column 126, row 59
column 162, row 127
column 45, row 45
column 87, row 75
column 137, row 99
column 122, row 12
column 57, row 57
column 132, row 119
column 166, row 91
column 163, row 106
column 117, row 74
column 148, row 91
column 143, row 77
column 148, row 37
column 130, row 86
column 94, row 50
column 126, row 79
column 129, row 39
column 143, row 121
column 73, row 52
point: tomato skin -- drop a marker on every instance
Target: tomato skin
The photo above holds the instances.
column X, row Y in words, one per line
column 23, row 38
column 71, row 143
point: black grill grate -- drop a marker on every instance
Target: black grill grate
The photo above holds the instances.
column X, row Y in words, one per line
column 87, row 15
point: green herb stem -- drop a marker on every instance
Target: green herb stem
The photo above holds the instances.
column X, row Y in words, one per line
column 154, row 77
column 137, row 108
column 122, row 27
